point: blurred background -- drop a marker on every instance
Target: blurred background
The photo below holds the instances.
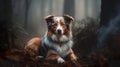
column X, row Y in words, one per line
column 29, row 14
column 96, row 28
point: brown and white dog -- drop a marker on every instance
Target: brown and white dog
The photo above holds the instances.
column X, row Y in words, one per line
column 57, row 42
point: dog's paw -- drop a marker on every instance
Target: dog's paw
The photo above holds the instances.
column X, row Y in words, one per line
column 39, row 57
column 74, row 58
column 60, row 60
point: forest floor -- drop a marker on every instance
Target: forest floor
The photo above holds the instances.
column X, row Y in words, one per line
column 16, row 58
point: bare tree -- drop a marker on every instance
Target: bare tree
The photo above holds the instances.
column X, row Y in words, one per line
column 86, row 7
column 6, row 35
column 26, row 14
column 69, row 7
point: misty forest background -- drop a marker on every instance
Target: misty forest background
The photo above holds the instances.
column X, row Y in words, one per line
column 96, row 28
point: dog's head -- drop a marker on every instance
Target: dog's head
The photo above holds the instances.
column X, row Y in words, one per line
column 59, row 27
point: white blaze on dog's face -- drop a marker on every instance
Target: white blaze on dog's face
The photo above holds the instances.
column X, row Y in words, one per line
column 59, row 21
column 59, row 28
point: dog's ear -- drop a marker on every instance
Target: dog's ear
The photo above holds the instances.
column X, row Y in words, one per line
column 49, row 19
column 68, row 18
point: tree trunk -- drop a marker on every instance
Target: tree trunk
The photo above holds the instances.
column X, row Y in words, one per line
column 69, row 7
column 26, row 14
column 6, row 24
column 107, row 11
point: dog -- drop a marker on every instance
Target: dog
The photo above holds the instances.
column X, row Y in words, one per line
column 57, row 42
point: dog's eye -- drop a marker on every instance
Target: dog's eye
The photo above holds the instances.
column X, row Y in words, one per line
column 50, row 23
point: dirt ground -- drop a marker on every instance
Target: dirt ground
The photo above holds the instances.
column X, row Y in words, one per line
column 16, row 58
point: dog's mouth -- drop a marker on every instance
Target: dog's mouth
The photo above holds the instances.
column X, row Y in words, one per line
column 59, row 34
column 59, row 38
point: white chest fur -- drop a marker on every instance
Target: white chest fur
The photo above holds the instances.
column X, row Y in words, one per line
column 60, row 50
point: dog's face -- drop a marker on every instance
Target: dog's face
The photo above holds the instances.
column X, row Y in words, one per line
column 59, row 28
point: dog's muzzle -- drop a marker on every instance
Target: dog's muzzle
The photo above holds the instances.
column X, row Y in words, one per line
column 59, row 31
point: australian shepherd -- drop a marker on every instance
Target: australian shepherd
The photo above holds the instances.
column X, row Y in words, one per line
column 57, row 42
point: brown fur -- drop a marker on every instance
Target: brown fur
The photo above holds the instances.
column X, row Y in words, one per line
column 52, row 56
column 32, row 49
column 52, row 29
column 72, row 55
column 33, row 46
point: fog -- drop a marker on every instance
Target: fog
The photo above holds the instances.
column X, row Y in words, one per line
column 108, row 30
column 38, row 9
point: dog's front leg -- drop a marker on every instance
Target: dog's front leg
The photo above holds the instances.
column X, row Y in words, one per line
column 51, row 55
column 72, row 55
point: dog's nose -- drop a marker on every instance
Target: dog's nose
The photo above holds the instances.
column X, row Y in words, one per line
column 59, row 31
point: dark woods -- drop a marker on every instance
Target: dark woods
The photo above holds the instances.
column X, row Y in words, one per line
column 96, row 42
column 6, row 33
column 19, row 21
